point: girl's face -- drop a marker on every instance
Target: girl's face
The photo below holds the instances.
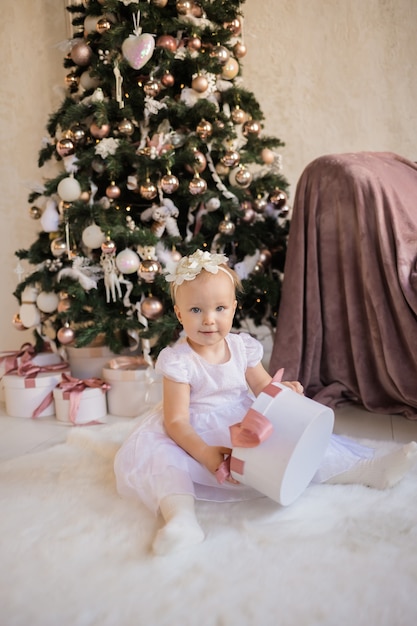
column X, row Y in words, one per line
column 205, row 307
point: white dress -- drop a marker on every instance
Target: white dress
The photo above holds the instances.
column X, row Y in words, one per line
column 150, row 465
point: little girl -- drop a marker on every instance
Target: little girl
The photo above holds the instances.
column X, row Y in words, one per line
column 210, row 379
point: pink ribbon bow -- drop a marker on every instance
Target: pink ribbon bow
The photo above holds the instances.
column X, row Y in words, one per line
column 249, row 433
column 11, row 359
column 72, row 389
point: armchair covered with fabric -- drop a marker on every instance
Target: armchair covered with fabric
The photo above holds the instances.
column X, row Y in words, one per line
column 347, row 324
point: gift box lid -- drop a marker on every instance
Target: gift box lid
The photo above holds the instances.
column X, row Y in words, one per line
column 43, row 379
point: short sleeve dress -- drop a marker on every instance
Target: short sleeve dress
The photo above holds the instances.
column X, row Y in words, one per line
column 150, row 465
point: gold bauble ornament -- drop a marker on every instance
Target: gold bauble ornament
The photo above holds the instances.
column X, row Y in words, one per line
column 65, row 147
column 113, row 191
column 234, row 26
column 103, row 25
column 204, row 129
column 65, row 335
column 231, row 158
column 168, row 79
column 227, row 227
column 197, row 185
column 58, row 247
column 199, row 163
column 241, row 177
column 35, row 212
column 278, row 198
column 230, row 69
column 184, row 6
column 126, row 127
column 148, row 270
column 259, row 204
column 159, row 3
column 78, row 134
column 152, row 88
column 251, row 128
column 169, row 183
column 238, row 115
column 221, row 53
column 17, row 322
column 148, row 190
column 108, row 246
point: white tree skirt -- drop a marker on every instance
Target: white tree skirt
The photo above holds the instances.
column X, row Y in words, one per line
column 73, row 553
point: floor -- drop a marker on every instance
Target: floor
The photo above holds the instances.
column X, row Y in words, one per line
column 19, row 436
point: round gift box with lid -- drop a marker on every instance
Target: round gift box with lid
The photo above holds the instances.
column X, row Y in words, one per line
column 88, row 362
column 92, row 407
column 132, row 386
column 24, row 395
column 283, row 465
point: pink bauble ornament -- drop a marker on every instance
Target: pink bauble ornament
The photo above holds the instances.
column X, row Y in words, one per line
column 159, row 3
column 138, row 49
column 239, row 50
column 169, row 183
column 199, row 163
column 81, row 53
column 278, row 198
column 243, row 177
column 234, row 26
column 99, row 132
column 152, row 308
column 69, row 189
column 199, row 83
column 127, row 261
column 113, row 191
column 65, row 335
column 167, row 79
column 259, row 204
column 184, row 6
column 267, row 156
column 194, row 43
column 168, row 42
column 148, row 270
column 230, row 69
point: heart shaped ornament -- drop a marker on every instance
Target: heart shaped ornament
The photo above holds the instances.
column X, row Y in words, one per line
column 138, row 49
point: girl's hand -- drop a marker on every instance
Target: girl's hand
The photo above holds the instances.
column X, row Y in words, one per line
column 214, row 457
column 294, row 385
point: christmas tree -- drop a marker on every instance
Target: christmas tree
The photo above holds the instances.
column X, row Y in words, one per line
column 159, row 151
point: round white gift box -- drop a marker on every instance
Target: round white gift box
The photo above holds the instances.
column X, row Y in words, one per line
column 132, row 387
column 282, row 466
column 24, row 395
column 92, row 407
column 88, row 362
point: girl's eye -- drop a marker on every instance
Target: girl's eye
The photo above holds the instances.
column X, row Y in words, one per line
column 195, row 309
column 220, row 308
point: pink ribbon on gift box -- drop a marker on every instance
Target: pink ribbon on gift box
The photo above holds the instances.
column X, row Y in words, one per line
column 249, row 433
column 72, row 389
column 11, row 358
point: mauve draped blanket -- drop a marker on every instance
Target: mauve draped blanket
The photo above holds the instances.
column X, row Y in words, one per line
column 347, row 324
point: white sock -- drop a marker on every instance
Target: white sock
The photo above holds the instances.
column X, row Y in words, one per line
column 181, row 529
column 380, row 472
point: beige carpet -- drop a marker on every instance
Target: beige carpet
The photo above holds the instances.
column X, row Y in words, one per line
column 74, row 554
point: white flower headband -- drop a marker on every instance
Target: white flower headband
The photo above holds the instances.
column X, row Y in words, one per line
column 190, row 266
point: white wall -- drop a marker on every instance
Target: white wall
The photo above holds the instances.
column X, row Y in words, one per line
column 330, row 75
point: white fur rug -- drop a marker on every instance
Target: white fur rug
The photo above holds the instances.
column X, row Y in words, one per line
column 75, row 554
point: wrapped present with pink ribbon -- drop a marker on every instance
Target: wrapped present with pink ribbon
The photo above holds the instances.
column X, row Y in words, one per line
column 81, row 401
column 9, row 360
column 28, row 386
column 278, row 446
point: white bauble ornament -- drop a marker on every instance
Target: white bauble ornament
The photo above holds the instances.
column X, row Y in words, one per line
column 50, row 217
column 47, row 301
column 93, row 236
column 127, row 261
column 69, row 189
